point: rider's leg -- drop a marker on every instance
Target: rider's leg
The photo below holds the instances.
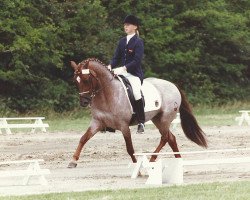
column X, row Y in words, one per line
column 136, row 86
column 140, row 115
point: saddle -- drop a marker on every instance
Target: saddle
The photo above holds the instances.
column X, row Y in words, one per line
column 130, row 92
column 150, row 95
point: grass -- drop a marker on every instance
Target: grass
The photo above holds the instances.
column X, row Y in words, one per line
column 217, row 119
column 219, row 115
column 81, row 124
column 66, row 124
column 208, row 191
column 79, row 119
column 223, row 115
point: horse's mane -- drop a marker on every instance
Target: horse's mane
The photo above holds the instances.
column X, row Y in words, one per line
column 84, row 62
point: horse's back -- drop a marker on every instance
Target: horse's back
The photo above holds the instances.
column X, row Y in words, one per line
column 171, row 97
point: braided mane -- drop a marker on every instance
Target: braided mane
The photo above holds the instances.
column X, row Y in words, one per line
column 84, row 62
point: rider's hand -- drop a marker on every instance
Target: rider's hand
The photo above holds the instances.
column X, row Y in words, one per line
column 120, row 70
column 109, row 67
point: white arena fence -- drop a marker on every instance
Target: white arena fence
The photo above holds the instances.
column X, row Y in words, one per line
column 171, row 170
column 33, row 170
column 22, row 122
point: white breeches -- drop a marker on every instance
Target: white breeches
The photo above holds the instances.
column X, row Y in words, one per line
column 135, row 83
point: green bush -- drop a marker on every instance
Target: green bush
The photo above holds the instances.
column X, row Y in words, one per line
column 202, row 46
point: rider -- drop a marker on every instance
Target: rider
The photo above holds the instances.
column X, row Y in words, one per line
column 129, row 53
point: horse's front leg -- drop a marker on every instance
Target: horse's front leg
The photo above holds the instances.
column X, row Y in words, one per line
column 129, row 145
column 89, row 134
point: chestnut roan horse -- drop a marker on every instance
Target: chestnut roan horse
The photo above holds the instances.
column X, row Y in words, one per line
column 109, row 108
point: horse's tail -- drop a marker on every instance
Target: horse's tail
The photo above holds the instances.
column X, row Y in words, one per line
column 189, row 124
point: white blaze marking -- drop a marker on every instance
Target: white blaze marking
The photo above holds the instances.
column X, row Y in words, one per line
column 78, row 79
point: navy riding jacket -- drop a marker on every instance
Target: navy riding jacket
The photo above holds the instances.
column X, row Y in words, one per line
column 129, row 55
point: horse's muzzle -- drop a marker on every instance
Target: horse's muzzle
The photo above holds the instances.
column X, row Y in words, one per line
column 85, row 101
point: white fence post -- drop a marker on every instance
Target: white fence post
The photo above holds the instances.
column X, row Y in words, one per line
column 170, row 170
column 4, row 122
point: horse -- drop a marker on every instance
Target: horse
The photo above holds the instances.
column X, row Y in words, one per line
column 109, row 108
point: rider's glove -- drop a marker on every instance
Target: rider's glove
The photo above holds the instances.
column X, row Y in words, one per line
column 120, row 70
column 109, row 67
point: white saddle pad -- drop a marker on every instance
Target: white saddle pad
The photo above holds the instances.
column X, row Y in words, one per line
column 151, row 96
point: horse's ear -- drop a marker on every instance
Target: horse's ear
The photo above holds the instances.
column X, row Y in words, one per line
column 73, row 65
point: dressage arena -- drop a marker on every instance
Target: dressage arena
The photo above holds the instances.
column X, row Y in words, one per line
column 104, row 161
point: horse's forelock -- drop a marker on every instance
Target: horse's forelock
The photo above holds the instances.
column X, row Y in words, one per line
column 84, row 64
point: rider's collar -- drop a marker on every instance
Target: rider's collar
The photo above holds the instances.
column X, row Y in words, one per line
column 129, row 37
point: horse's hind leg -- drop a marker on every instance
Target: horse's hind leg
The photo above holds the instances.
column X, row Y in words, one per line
column 166, row 136
column 163, row 142
column 173, row 144
column 129, row 145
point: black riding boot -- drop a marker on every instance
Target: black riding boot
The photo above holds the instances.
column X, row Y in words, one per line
column 140, row 116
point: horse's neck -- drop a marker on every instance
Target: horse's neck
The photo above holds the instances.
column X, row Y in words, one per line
column 103, row 74
column 108, row 85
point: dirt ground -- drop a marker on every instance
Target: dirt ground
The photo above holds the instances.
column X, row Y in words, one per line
column 104, row 161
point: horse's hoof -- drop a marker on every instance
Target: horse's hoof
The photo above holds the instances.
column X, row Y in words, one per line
column 72, row 165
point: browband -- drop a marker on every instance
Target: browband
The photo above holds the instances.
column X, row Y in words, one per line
column 85, row 71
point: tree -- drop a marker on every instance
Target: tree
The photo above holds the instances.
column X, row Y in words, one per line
column 203, row 46
column 40, row 38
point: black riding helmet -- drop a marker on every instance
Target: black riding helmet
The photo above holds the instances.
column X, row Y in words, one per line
column 131, row 19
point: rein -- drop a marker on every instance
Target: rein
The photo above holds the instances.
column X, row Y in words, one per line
column 96, row 91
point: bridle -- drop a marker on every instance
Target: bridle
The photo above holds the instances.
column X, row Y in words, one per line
column 92, row 91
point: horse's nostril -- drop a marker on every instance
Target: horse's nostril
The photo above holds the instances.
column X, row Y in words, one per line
column 84, row 104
